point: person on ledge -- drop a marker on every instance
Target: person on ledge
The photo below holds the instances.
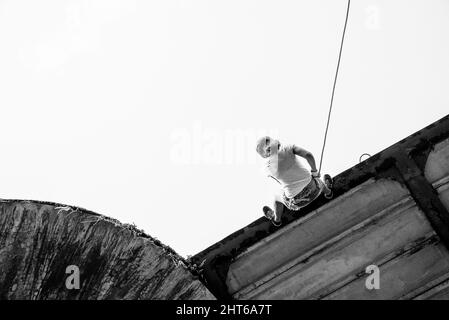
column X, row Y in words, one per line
column 299, row 186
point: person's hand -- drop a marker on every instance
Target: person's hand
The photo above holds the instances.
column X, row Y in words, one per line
column 315, row 174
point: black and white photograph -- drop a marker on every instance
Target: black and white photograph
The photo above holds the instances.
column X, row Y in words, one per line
column 223, row 159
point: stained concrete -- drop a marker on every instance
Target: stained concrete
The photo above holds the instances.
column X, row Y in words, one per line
column 437, row 170
column 38, row 241
column 365, row 233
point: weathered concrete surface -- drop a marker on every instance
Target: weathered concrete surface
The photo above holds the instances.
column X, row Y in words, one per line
column 408, row 273
column 437, row 170
column 314, row 229
column 391, row 210
column 376, row 224
column 116, row 261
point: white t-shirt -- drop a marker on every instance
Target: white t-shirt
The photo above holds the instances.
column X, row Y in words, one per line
column 288, row 170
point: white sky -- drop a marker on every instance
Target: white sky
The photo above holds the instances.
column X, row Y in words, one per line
column 147, row 111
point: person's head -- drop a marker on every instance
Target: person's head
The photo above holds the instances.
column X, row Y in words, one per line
column 267, row 146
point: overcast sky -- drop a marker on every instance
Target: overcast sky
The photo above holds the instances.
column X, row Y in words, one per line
column 148, row 111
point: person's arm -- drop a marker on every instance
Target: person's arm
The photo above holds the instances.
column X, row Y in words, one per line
column 306, row 155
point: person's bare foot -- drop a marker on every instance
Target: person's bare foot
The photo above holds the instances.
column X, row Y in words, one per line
column 269, row 214
column 329, row 184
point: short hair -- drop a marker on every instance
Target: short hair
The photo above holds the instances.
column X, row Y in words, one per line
column 260, row 144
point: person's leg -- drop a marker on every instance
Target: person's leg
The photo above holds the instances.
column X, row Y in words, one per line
column 276, row 215
column 326, row 190
column 278, row 208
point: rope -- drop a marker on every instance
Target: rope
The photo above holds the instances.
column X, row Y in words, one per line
column 333, row 88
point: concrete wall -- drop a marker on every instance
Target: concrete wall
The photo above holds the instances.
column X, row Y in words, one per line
column 39, row 240
column 437, row 170
column 324, row 255
column 391, row 211
column 375, row 223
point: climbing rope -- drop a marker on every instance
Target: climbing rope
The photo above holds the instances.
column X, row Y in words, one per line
column 333, row 88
